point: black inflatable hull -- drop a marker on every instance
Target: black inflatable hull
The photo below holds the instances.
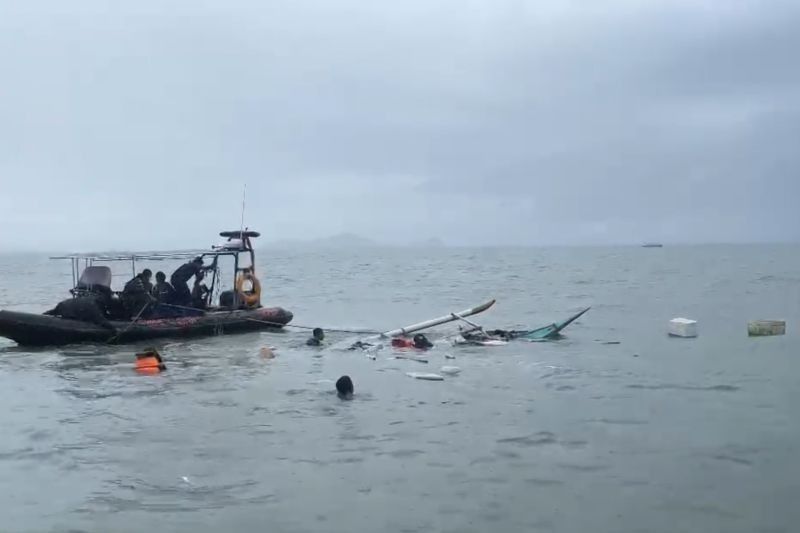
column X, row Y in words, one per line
column 29, row 329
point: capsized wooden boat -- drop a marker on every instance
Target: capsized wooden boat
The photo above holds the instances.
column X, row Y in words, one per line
column 552, row 331
column 479, row 337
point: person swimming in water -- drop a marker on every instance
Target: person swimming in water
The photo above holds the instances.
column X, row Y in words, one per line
column 317, row 336
column 421, row 342
column 344, row 388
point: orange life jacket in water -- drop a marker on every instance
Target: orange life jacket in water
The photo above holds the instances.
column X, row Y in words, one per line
column 149, row 362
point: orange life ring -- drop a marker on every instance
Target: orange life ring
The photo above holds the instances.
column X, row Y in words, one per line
column 252, row 298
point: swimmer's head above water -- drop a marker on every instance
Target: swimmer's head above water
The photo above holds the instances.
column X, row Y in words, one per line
column 344, row 388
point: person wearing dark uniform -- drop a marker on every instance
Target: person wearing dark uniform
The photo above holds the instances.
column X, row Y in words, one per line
column 199, row 291
column 421, row 342
column 180, row 280
column 135, row 295
column 146, row 276
column 163, row 291
column 85, row 308
column 317, row 337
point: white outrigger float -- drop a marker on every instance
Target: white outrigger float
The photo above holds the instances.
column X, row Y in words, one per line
column 375, row 340
column 452, row 317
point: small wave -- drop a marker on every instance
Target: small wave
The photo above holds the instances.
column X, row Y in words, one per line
column 769, row 278
column 537, row 439
column 507, row 454
column 621, row 421
column 583, row 468
column 543, row 482
column 349, row 460
column 732, row 459
column 719, row 388
column 559, row 388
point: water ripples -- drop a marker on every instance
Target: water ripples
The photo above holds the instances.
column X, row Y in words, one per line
column 567, row 436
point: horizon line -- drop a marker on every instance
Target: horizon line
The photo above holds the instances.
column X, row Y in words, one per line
column 309, row 246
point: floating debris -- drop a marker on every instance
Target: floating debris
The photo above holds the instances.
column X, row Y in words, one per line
column 766, row 328
column 450, row 370
column 683, row 327
column 267, row 352
column 425, row 376
column 412, row 358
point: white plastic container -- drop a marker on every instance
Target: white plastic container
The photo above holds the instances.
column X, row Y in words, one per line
column 683, row 327
column 765, row 328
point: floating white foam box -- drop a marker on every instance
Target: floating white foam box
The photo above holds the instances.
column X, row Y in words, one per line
column 764, row 328
column 683, row 327
column 425, row 376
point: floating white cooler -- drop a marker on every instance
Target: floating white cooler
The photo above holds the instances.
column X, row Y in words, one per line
column 683, row 327
column 765, row 328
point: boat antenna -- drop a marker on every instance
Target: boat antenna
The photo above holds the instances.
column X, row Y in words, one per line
column 244, row 195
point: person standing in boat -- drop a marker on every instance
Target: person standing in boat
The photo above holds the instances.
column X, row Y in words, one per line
column 180, row 280
column 136, row 294
column 199, row 291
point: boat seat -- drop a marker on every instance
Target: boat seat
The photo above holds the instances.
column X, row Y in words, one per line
column 95, row 278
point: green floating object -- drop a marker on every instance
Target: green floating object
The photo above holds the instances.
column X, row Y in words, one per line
column 766, row 328
column 550, row 332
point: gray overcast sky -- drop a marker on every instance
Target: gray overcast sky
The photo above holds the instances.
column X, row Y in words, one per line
column 135, row 124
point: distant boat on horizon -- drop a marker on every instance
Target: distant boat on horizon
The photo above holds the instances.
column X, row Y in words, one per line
column 652, row 245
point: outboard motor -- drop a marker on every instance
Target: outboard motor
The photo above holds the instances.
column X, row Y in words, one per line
column 226, row 299
column 94, row 280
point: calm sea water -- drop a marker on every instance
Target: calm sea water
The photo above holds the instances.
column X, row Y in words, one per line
column 649, row 435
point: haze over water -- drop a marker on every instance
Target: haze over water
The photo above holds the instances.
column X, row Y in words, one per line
column 652, row 434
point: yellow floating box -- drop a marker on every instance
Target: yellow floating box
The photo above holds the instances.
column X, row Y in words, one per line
column 765, row 328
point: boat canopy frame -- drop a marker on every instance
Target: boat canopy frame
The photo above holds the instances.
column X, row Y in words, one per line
column 238, row 243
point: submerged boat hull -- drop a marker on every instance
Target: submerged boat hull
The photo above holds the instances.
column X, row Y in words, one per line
column 30, row 329
column 551, row 332
column 501, row 337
